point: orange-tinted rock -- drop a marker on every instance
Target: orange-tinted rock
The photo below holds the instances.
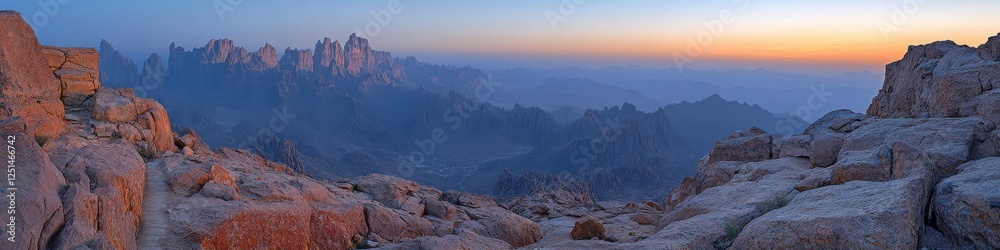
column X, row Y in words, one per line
column 221, row 175
column 121, row 106
column 188, row 179
column 586, row 228
column 112, row 105
column 191, row 139
column 117, row 176
column 27, row 86
column 505, row 225
column 236, row 225
column 76, row 69
column 81, row 218
column 78, row 85
column 334, row 226
column 397, row 226
column 39, row 207
column 218, row 190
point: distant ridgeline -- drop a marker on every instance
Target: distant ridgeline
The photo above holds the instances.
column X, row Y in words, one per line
column 344, row 111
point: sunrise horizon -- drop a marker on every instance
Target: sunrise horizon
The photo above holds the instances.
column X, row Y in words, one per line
column 830, row 36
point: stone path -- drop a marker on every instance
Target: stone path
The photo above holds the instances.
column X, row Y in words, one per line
column 155, row 225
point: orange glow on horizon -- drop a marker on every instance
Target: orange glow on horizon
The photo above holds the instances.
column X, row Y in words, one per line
column 837, row 49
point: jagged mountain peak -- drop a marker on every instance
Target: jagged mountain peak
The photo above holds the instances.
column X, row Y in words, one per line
column 267, row 47
column 118, row 70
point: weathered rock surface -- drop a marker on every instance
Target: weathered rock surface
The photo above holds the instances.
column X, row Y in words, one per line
column 750, row 145
column 122, row 108
column 948, row 142
column 463, row 241
column 480, row 212
column 39, row 206
column 502, row 224
column 880, row 215
column 76, row 69
column 941, row 79
column 27, row 86
column 329, row 57
column 383, row 209
column 115, row 174
column 191, row 140
column 967, row 206
column 586, row 228
column 217, row 225
column 708, row 175
column 296, row 60
column 703, row 220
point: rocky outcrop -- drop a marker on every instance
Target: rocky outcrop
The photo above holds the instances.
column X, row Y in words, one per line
column 27, row 86
column 941, row 79
column 751, row 145
column 76, row 69
column 77, row 190
column 586, row 228
column 705, row 219
column 966, row 206
column 107, row 112
column 891, row 212
column 538, row 195
column 358, row 55
column 191, row 140
column 450, row 212
column 39, row 206
column 708, row 175
column 223, row 51
column 296, row 60
column 106, row 183
column 88, row 177
column 329, row 58
column 379, row 209
column 141, row 121
column 118, row 70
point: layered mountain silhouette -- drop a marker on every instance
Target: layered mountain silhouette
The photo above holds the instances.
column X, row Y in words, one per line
column 344, row 111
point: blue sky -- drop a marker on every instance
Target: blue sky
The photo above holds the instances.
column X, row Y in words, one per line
column 763, row 33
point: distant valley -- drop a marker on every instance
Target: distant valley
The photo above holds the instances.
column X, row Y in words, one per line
column 348, row 110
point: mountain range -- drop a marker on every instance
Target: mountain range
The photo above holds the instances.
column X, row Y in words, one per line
column 348, row 111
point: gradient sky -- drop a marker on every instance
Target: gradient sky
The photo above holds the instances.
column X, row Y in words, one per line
column 842, row 35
